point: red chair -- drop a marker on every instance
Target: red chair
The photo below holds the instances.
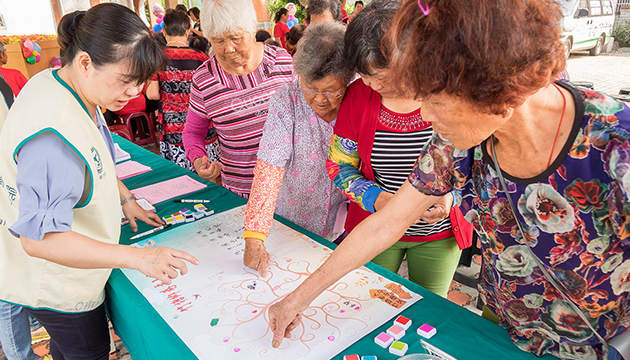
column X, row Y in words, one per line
column 138, row 137
column 121, row 130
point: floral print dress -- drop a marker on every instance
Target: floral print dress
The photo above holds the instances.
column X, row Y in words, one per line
column 577, row 219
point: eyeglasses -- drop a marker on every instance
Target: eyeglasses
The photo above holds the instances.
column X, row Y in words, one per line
column 327, row 94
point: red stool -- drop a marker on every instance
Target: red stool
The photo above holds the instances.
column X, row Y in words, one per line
column 139, row 137
column 121, row 130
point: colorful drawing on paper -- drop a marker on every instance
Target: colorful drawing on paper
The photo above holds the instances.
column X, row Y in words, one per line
column 219, row 309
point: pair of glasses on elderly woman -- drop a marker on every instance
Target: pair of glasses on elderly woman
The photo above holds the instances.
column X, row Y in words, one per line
column 327, row 94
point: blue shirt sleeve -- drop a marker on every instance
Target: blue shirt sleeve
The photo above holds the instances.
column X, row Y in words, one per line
column 50, row 181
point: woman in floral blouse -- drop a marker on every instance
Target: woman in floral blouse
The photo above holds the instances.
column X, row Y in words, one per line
column 564, row 154
column 290, row 174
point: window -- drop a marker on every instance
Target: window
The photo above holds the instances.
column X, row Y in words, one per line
column 596, row 8
column 607, row 7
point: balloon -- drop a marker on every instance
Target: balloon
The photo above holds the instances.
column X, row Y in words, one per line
column 37, row 58
column 32, row 59
column 159, row 20
column 28, row 44
column 156, row 28
column 36, row 47
column 36, row 53
column 26, row 52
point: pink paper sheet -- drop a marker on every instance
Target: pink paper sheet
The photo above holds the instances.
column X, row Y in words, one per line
column 130, row 168
column 168, row 189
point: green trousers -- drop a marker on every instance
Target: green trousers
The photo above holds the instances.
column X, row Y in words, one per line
column 431, row 264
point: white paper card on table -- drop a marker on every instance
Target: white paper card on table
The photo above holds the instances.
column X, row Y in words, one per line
column 168, row 189
column 432, row 350
column 130, row 168
column 121, row 155
column 219, row 309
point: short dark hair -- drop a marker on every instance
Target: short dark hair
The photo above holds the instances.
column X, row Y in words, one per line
column 181, row 7
column 176, row 23
column 262, row 35
column 317, row 7
column 295, row 34
column 364, row 34
column 195, row 11
column 491, row 53
column 111, row 33
column 358, row 2
column 199, row 43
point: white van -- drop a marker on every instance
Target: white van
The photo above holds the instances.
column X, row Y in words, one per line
column 586, row 24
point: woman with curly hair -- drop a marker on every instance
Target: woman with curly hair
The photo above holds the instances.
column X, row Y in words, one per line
column 542, row 167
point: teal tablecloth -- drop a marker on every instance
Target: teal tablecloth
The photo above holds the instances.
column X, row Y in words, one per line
column 146, row 335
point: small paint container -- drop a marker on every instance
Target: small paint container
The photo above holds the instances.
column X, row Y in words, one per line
column 351, row 357
column 383, row 340
column 396, row 332
column 180, row 219
column 426, row 331
column 398, row 348
column 198, row 215
column 402, row 322
column 369, row 357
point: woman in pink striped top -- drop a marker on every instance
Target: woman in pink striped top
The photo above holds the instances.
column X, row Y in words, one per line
column 230, row 93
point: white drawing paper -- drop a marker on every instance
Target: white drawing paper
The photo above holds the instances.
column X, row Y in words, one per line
column 219, row 309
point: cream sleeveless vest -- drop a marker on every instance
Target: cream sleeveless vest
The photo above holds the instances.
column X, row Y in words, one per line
column 46, row 103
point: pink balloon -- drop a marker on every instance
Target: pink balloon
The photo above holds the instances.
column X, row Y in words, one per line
column 28, row 44
column 37, row 58
column 159, row 20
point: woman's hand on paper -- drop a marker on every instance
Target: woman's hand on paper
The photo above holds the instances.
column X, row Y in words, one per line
column 162, row 263
column 440, row 210
column 207, row 170
column 282, row 320
column 134, row 212
column 256, row 256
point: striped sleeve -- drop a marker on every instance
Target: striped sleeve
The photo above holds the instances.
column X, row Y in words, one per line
column 343, row 169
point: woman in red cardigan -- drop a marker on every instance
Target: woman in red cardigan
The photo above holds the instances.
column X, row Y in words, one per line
column 378, row 137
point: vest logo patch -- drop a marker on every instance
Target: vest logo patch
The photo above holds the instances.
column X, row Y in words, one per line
column 97, row 160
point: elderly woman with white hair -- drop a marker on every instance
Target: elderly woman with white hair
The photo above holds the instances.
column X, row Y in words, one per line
column 231, row 92
column 290, row 175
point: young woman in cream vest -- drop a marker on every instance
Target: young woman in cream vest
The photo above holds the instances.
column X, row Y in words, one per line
column 59, row 195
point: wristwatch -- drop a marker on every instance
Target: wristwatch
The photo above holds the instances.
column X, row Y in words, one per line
column 132, row 197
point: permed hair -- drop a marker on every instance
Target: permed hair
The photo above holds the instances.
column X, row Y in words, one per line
column 110, row 34
column 364, row 34
column 220, row 16
column 491, row 53
column 320, row 53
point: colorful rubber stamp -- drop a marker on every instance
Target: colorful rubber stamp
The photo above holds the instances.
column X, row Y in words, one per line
column 351, row 357
column 403, row 322
column 396, row 332
column 398, row 348
column 426, row 331
column 369, row 357
column 383, row 340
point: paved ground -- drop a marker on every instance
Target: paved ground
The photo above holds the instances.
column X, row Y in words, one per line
column 608, row 72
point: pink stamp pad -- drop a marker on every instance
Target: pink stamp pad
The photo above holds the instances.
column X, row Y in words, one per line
column 396, row 332
column 383, row 340
column 402, row 322
column 351, row 357
column 426, row 331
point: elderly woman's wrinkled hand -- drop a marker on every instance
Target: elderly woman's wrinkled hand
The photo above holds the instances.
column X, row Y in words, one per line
column 440, row 210
column 256, row 256
column 282, row 320
column 207, row 170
